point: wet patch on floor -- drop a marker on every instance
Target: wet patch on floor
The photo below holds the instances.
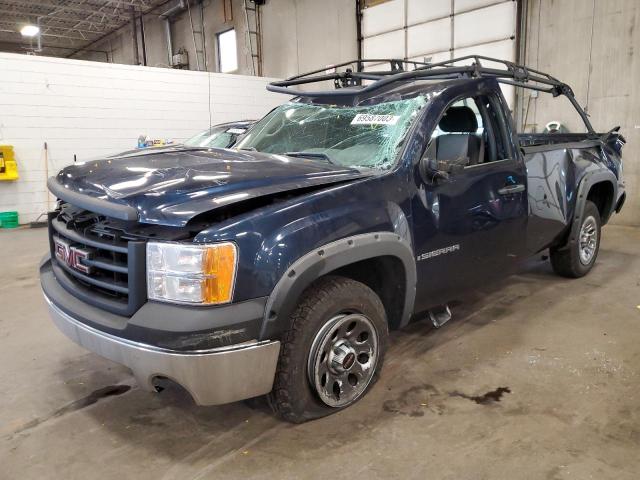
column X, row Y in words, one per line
column 488, row 398
column 93, row 397
column 414, row 401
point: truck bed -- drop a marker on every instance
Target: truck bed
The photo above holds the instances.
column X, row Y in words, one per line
column 538, row 139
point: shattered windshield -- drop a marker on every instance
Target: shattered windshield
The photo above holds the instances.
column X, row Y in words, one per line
column 368, row 136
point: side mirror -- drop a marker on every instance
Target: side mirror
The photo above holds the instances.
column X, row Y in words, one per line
column 433, row 170
column 452, row 167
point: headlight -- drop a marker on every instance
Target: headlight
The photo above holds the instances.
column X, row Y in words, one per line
column 186, row 273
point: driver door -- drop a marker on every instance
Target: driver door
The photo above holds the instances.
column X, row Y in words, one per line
column 470, row 212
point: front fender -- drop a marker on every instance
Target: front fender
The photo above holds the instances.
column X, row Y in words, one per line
column 328, row 258
column 273, row 238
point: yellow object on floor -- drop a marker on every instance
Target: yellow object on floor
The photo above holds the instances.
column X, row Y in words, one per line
column 8, row 165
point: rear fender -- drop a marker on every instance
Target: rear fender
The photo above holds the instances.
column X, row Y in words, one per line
column 589, row 180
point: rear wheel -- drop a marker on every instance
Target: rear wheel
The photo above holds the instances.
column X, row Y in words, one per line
column 333, row 351
column 578, row 256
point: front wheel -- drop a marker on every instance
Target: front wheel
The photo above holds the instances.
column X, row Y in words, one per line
column 333, row 351
column 578, row 256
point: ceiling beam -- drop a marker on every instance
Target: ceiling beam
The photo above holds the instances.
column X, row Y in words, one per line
column 20, row 6
column 47, row 24
column 4, row 43
column 51, row 42
column 45, row 28
column 75, row 25
column 44, row 20
column 44, row 33
column 129, row 3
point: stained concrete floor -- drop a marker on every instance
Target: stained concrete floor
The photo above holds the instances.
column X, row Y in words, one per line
column 562, row 356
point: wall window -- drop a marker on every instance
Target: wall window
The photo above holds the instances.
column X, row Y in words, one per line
column 227, row 51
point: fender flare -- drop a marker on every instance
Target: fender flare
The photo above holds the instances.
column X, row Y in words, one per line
column 590, row 179
column 329, row 257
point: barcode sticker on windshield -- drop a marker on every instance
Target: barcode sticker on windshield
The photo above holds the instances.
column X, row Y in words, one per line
column 372, row 119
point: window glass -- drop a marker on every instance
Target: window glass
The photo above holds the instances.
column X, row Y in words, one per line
column 496, row 117
column 363, row 136
column 468, row 102
column 227, row 51
column 471, row 132
column 459, row 138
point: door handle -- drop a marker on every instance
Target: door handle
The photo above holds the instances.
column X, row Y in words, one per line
column 510, row 189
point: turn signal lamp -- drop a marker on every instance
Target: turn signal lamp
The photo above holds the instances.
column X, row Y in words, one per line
column 191, row 274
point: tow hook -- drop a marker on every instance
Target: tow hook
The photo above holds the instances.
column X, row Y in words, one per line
column 440, row 315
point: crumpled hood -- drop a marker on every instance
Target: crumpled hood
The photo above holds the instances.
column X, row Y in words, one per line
column 172, row 187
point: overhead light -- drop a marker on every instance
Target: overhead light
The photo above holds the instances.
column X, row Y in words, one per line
column 30, row 30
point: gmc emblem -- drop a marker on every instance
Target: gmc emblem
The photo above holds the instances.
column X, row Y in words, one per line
column 71, row 255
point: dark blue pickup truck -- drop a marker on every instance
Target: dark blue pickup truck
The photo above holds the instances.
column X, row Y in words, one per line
column 279, row 266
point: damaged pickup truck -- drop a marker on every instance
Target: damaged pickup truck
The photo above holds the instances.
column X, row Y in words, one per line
column 279, row 266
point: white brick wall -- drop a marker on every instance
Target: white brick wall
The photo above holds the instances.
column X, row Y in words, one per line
column 92, row 109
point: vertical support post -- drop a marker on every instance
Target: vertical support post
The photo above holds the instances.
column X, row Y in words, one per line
column 204, row 38
column 134, row 31
column 167, row 30
column 453, row 29
column 39, row 48
column 144, row 43
column 522, row 9
column 359, row 32
column 406, row 31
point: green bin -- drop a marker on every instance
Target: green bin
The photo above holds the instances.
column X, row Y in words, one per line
column 8, row 219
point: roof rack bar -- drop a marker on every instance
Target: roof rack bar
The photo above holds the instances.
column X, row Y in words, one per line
column 517, row 72
column 524, row 85
column 384, row 78
column 283, row 85
column 359, row 65
column 478, row 58
column 349, row 82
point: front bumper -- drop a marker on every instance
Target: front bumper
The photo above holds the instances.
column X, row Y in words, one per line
column 213, row 376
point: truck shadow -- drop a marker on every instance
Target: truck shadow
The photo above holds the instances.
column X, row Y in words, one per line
column 476, row 308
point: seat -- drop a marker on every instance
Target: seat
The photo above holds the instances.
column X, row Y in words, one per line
column 461, row 144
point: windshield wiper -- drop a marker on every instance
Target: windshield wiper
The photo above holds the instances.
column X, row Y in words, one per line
column 320, row 155
column 250, row 149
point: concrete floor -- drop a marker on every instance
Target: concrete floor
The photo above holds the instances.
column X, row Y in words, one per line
column 568, row 351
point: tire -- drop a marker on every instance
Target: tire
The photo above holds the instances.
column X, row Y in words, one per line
column 338, row 335
column 577, row 257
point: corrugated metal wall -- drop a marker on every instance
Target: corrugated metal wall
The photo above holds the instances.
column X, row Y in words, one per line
column 592, row 45
column 439, row 30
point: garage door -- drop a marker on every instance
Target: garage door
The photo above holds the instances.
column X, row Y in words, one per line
column 438, row 30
